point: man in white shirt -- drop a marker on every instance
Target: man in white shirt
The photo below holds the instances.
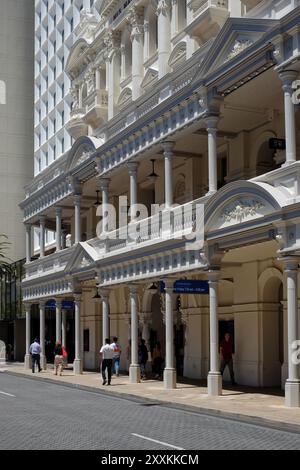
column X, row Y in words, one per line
column 106, row 357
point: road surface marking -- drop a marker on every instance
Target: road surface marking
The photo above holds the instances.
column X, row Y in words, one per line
column 157, row 442
column 7, row 394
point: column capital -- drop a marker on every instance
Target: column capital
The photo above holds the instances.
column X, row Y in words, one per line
column 168, row 147
column 213, row 276
column 132, row 168
column 169, row 285
column 291, row 263
column 77, row 199
column 27, row 307
column 288, row 77
column 104, row 293
column 58, row 211
column 42, row 304
column 58, row 303
column 77, row 297
column 103, row 182
column 133, row 290
column 28, row 227
column 135, row 18
column 163, row 7
column 212, row 122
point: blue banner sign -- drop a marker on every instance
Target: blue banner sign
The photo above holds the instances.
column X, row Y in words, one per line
column 66, row 304
column 188, row 286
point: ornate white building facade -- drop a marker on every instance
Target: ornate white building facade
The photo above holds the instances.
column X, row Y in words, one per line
column 202, row 88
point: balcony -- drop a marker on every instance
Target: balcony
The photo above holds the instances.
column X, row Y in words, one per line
column 164, row 228
column 53, row 264
column 209, row 17
column 96, row 109
column 76, row 126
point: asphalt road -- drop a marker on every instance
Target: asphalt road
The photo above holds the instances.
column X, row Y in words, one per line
column 39, row 415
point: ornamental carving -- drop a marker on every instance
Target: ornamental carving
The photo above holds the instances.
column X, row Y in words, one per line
column 241, row 210
column 135, row 18
column 239, row 46
column 163, row 7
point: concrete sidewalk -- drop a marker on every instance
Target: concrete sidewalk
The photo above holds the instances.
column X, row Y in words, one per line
column 243, row 402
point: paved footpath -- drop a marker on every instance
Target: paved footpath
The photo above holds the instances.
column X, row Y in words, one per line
column 35, row 414
column 255, row 405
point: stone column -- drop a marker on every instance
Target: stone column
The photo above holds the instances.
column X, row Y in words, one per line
column 175, row 19
column 63, row 239
column 77, row 205
column 97, row 79
column 136, row 18
column 114, row 71
column 164, row 36
column 104, row 188
column 292, row 385
column 287, row 78
column 58, row 320
column 58, row 212
column 212, row 123
column 77, row 365
column 28, row 243
column 168, row 154
column 27, row 359
column 214, row 380
column 170, row 371
column 42, row 236
column 134, row 369
column 133, row 169
column 64, row 328
column 42, row 335
column 105, row 315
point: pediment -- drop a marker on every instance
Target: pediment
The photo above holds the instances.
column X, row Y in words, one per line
column 178, row 55
column 237, row 36
column 81, row 150
column 81, row 259
column 241, row 202
column 150, row 78
column 125, row 97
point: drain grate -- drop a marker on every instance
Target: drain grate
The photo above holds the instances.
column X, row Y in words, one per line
column 150, row 404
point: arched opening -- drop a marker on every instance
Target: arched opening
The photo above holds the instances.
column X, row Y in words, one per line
column 265, row 159
column 271, row 329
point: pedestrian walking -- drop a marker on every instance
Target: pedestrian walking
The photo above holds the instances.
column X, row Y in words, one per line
column 117, row 356
column 58, row 358
column 35, row 351
column 157, row 360
column 106, row 357
column 143, row 357
column 226, row 349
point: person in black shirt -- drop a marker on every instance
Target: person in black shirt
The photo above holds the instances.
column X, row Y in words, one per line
column 58, row 358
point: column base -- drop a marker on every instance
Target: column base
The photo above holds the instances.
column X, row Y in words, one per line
column 27, row 361
column 170, row 378
column 134, row 374
column 292, row 393
column 77, row 366
column 211, row 193
column 43, row 362
column 214, row 384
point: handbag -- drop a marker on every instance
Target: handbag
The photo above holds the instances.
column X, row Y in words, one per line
column 65, row 354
